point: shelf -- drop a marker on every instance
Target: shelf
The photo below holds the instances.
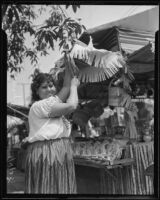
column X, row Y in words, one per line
column 105, row 164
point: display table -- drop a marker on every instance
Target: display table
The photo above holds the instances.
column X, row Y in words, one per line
column 143, row 153
column 97, row 178
column 118, row 179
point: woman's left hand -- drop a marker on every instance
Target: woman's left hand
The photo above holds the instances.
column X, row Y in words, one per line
column 75, row 81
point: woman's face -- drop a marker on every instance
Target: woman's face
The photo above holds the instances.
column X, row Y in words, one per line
column 46, row 90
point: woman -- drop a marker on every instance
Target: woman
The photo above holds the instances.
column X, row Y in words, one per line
column 49, row 162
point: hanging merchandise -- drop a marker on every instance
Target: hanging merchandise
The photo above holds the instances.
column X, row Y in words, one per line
column 114, row 95
column 118, row 117
column 107, row 149
column 130, row 118
column 91, row 64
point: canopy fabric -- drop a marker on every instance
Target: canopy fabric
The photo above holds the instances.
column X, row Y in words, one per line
column 142, row 61
column 131, row 41
column 139, row 68
column 130, row 34
column 144, row 55
column 144, row 77
column 107, row 39
column 147, row 21
column 135, row 35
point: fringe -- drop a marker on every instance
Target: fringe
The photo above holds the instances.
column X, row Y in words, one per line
column 50, row 168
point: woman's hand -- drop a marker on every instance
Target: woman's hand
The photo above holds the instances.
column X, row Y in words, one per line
column 75, row 82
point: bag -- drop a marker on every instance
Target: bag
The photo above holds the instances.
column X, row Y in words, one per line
column 114, row 95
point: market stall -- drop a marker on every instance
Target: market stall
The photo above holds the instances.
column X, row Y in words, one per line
column 138, row 46
column 125, row 177
column 123, row 173
column 113, row 126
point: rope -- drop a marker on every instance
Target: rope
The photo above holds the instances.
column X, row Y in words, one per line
column 17, row 111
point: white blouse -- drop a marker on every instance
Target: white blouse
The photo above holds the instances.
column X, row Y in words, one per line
column 42, row 126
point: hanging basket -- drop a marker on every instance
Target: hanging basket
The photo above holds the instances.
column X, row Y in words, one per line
column 114, row 95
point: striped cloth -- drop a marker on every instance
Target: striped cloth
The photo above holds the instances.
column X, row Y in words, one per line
column 50, row 168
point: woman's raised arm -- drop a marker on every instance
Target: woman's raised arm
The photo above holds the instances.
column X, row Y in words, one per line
column 64, row 92
column 59, row 109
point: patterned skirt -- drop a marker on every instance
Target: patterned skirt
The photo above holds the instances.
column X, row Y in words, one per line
column 49, row 168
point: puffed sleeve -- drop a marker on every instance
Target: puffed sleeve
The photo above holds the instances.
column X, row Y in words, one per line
column 43, row 107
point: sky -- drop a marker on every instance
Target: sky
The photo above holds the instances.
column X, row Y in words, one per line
column 18, row 91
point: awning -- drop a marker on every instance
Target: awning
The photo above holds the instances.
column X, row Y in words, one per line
column 147, row 21
column 130, row 33
column 142, row 61
column 139, row 68
column 117, row 38
column 144, row 55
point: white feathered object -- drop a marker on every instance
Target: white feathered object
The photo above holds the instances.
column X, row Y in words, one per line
column 94, row 64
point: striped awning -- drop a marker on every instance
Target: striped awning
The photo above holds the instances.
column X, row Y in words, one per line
column 143, row 55
column 142, row 60
column 129, row 34
column 131, row 40
column 17, row 111
column 107, row 39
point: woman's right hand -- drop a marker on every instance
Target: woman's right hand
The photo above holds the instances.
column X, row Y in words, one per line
column 75, row 81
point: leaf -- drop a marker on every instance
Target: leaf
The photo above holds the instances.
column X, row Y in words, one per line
column 67, row 6
column 61, row 43
column 20, row 9
column 84, row 27
column 65, row 21
column 51, row 41
column 16, row 14
column 54, row 36
column 31, row 31
column 10, row 15
column 42, row 35
column 74, row 7
column 79, row 29
column 37, row 34
column 46, row 38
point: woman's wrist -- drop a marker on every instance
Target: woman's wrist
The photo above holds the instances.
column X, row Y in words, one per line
column 67, row 78
column 73, row 87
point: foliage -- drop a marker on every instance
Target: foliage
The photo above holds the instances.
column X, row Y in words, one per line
column 18, row 23
column 74, row 7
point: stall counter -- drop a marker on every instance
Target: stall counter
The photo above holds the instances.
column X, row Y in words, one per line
column 123, row 179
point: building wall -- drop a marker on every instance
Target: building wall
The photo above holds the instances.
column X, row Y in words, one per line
column 18, row 93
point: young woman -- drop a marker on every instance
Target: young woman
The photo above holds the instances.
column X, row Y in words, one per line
column 49, row 163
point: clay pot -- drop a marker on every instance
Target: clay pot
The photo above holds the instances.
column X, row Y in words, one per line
column 147, row 138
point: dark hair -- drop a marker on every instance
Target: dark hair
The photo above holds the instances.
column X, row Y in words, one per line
column 38, row 79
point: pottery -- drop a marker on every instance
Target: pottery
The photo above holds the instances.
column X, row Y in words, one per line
column 147, row 138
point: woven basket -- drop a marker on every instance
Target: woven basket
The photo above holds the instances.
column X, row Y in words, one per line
column 114, row 95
